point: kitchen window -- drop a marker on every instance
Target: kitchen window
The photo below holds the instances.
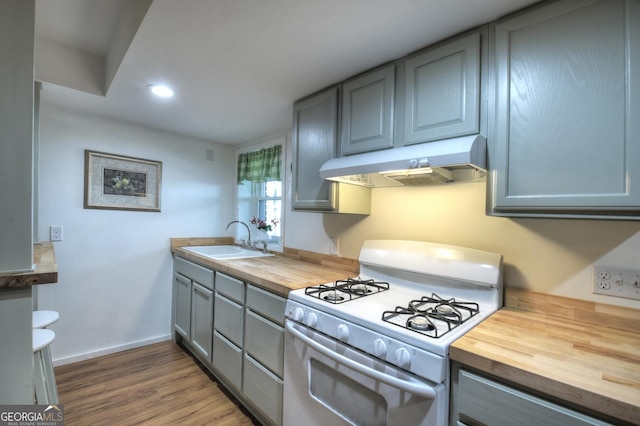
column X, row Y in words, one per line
column 260, row 190
column 262, row 200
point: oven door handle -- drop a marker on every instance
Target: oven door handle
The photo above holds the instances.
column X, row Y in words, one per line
column 413, row 388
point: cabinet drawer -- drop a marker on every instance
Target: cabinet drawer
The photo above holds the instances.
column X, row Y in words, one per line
column 231, row 287
column 195, row 272
column 227, row 359
column 263, row 389
column 264, row 341
column 492, row 403
column 267, row 304
column 228, row 319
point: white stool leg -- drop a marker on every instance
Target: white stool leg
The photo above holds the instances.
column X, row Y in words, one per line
column 49, row 376
column 39, row 379
column 44, row 381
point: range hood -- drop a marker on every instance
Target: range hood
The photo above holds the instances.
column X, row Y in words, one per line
column 450, row 160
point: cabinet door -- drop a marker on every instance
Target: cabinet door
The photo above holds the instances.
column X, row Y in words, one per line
column 227, row 359
column 182, row 301
column 202, row 320
column 315, row 124
column 565, row 134
column 265, row 342
column 442, row 91
column 267, row 304
column 263, row 388
column 229, row 319
column 483, row 401
column 367, row 112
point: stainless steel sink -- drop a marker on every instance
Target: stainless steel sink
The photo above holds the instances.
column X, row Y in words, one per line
column 226, row 252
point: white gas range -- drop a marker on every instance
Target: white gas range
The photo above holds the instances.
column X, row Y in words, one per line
column 382, row 338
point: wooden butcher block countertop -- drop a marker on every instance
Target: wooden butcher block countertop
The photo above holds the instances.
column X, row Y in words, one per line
column 280, row 273
column 584, row 353
column 46, row 269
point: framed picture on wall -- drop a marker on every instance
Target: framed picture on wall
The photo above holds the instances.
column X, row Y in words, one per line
column 116, row 182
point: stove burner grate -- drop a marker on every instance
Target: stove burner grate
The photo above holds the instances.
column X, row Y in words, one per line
column 345, row 290
column 425, row 314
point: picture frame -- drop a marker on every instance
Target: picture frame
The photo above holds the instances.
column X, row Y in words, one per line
column 118, row 182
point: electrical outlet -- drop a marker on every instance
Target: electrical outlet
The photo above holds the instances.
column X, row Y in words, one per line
column 619, row 282
column 55, row 232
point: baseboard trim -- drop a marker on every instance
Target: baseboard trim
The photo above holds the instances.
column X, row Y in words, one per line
column 110, row 350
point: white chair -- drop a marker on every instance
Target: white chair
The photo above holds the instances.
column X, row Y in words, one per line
column 43, row 319
column 44, row 380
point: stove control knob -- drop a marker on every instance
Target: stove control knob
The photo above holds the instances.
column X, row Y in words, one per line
column 311, row 320
column 379, row 348
column 297, row 314
column 343, row 332
column 403, row 357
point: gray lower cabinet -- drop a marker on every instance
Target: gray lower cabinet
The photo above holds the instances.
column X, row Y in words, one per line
column 442, row 91
column 368, row 111
column 264, row 351
column 227, row 359
column 564, row 137
column 315, row 138
column 182, row 306
column 478, row 399
column 263, row 388
column 193, row 306
column 236, row 329
column 201, row 320
column 228, row 322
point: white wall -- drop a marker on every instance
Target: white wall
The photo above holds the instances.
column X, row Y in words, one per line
column 115, row 267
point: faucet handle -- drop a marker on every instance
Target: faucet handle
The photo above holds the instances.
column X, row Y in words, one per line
column 264, row 245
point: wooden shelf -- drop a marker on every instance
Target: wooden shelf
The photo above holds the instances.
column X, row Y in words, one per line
column 46, row 271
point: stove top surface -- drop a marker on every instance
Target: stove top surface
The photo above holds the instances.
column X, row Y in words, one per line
column 377, row 312
column 346, row 290
column 432, row 316
column 424, row 294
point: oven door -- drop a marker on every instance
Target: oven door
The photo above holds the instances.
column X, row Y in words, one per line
column 329, row 383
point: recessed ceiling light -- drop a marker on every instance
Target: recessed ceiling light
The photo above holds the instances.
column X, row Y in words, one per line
column 160, row 90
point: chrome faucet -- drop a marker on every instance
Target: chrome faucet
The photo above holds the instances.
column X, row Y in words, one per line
column 242, row 243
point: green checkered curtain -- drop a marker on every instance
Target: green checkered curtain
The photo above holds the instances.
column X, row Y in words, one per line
column 260, row 166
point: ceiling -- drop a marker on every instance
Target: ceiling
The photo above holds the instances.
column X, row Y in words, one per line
column 236, row 65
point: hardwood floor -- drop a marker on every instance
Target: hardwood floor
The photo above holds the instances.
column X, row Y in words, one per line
column 159, row 384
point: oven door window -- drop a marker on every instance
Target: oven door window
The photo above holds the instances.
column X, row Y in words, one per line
column 343, row 395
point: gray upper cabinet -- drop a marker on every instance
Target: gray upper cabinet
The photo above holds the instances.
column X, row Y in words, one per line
column 315, row 130
column 442, row 91
column 367, row 111
column 315, row 138
column 565, row 136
